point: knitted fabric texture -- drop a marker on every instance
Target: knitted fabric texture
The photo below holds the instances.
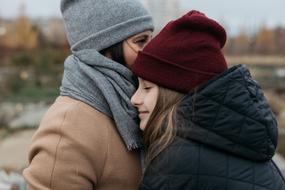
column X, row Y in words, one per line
column 185, row 54
column 99, row 24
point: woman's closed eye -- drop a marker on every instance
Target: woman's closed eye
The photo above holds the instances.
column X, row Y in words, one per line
column 141, row 42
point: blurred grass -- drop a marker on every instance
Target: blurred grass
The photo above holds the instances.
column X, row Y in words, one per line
column 33, row 75
column 6, row 131
column 34, row 94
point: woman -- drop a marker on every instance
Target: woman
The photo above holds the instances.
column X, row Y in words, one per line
column 89, row 136
column 206, row 126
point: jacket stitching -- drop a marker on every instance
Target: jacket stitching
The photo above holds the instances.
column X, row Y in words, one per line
column 241, row 115
column 209, row 175
column 220, row 105
column 106, row 155
column 228, row 168
column 57, row 146
column 279, row 172
column 253, row 177
column 247, row 88
column 198, row 169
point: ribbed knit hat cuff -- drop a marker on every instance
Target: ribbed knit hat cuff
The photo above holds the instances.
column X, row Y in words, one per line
column 160, row 71
column 115, row 34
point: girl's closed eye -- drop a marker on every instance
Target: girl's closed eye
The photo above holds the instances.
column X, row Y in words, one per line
column 147, row 87
column 144, row 100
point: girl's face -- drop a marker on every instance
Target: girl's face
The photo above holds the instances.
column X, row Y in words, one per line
column 144, row 100
column 134, row 44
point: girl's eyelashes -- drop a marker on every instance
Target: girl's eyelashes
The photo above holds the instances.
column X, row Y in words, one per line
column 147, row 88
column 146, row 85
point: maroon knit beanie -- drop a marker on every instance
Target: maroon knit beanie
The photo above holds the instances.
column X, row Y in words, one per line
column 185, row 54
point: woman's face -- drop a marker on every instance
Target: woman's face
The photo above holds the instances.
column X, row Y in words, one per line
column 134, row 44
column 144, row 100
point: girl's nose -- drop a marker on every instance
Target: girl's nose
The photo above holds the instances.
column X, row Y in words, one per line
column 135, row 100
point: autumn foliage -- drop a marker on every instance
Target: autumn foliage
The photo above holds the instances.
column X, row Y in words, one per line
column 265, row 42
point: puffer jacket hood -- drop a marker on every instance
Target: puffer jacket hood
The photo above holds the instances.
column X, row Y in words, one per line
column 230, row 113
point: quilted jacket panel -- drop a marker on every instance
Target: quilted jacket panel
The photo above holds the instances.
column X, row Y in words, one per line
column 227, row 135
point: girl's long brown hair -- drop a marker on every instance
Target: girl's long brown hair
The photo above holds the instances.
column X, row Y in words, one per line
column 160, row 129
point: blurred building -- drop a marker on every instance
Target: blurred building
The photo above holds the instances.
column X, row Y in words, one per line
column 163, row 11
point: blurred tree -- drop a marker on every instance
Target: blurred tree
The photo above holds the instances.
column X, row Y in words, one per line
column 265, row 43
column 242, row 43
column 2, row 32
column 279, row 40
column 21, row 34
column 26, row 35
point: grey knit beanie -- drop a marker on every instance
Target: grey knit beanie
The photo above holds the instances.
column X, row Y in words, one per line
column 99, row 24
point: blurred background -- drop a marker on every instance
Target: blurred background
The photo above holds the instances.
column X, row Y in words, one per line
column 33, row 48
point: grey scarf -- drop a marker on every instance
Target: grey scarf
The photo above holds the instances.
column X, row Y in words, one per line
column 106, row 86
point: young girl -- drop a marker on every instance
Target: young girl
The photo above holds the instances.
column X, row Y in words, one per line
column 206, row 127
column 88, row 137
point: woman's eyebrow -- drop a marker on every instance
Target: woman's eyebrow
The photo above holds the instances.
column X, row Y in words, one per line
column 141, row 36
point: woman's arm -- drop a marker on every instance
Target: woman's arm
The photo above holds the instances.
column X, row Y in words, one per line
column 67, row 151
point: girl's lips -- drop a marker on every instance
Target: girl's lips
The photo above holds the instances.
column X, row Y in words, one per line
column 142, row 113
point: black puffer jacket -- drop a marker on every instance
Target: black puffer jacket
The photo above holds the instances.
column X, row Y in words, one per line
column 227, row 135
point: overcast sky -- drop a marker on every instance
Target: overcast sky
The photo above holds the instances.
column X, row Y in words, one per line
column 34, row 8
column 235, row 14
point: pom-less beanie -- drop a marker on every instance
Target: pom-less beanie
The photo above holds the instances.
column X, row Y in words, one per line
column 99, row 24
column 185, row 54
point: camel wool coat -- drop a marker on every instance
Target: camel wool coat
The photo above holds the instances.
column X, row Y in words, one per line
column 78, row 148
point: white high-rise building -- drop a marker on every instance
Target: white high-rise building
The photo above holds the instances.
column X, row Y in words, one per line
column 163, row 11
